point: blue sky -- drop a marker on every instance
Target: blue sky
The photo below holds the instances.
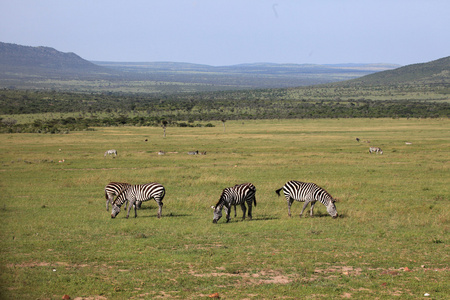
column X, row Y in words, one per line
column 227, row 32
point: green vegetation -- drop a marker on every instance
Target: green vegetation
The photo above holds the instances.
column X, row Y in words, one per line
column 62, row 112
column 391, row 239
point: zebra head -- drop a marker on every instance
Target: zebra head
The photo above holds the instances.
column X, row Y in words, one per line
column 217, row 213
column 115, row 211
column 331, row 209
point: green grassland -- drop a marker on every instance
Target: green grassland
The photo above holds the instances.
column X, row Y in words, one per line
column 391, row 238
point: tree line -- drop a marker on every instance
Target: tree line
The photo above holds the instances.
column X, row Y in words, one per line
column 196, row 109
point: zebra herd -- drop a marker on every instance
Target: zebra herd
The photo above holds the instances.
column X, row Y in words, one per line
column 240, row 194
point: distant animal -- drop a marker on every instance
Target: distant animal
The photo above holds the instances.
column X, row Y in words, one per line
column 357, row 139
column 202, row 153
column 113, row 189
column 236, row 195
column 111, row 152
column 376, row 150
column 193, row 152
column 308, row 193
column 136, row 193
column 161, row 152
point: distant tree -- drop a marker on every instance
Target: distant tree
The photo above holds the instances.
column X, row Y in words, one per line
column 164, row 125
column 223, row 122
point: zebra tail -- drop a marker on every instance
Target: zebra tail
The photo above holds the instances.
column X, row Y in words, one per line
column 254, row 200
column 278, row 191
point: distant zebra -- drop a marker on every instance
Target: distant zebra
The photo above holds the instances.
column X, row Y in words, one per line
column 113, row 189
column 376, row 150
column 161, row 153
column 236, row 195
column 139, row 193
column 111, row 152
column 308, row 193
column 193, row 152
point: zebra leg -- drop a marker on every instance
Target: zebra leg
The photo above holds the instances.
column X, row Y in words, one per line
column 160, row 204
column 235, row 211
column 130, row 204
column 304, row 207
column 250, row 210
column 290, row 201
column 244, row 209
column 228, row 208
column 312, row 209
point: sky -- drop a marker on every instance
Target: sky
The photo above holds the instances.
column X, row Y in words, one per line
column 229, row 32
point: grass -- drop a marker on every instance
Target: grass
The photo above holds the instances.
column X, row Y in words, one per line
column 391, row 238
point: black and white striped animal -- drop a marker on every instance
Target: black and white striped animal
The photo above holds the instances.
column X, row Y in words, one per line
column 113, row 189
column 136, row 193
column 308, row 193
column 111, row 152
column 235, row 195
column 376, row 150
column 193, row 152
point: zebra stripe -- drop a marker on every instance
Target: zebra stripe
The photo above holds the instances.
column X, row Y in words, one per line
column 139, row 193
column 308, row 193
column 236, row 195
column 111, row 152
column 113, row 189
column 376, row 150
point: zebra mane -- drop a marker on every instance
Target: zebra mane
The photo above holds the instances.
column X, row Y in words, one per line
column 220, row 199
column 119, row 196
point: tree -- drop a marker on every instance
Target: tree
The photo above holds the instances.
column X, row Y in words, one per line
column 164, row 125
column 223, row 122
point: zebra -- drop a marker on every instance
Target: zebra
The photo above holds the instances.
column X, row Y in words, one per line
column 376, row 150
column 161, row 152
column 113, row 189
column 193, row 152
column 111, row 152
column 236, row 195
column 308, row 193
column 139, row 193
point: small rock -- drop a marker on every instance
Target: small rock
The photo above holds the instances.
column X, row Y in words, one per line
column 426, row 294
column 66, row 297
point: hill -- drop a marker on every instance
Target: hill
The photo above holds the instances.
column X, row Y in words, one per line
column 434, row 72
column 25, row 67
column 24, row 62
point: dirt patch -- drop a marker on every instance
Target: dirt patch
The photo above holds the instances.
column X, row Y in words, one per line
column 91, row 298
column 263, row 277
column 345, row 270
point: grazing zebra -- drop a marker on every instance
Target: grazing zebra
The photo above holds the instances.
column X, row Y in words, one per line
column 113, row 189
column 376, row 150
column 193, row 152
column 236, row 195
column 161, row 153
column 111, row 152
column 139, row 193
column 308, row 193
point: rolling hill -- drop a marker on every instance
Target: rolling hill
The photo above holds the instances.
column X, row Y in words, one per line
column 24, row 62
column 25, row 67
column 434, row 72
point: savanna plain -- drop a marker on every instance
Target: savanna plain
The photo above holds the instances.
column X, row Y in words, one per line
column 391, row 239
